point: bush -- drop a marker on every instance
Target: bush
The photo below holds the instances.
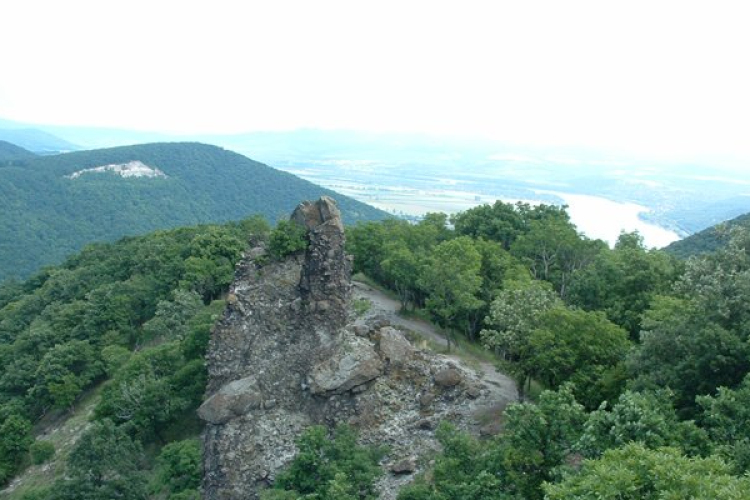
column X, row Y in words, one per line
column 41, row 451
column 288, row 238
column 329, row 468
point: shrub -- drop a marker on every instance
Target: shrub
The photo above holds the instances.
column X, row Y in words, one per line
column 286, row 239
column 41, row 451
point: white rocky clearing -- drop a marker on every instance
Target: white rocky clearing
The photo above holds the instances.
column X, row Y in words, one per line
column 126, row 170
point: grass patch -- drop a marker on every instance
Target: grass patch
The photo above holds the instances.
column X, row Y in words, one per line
column 361, row 306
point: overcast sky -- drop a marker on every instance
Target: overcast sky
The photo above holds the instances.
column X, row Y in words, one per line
column 669, row 79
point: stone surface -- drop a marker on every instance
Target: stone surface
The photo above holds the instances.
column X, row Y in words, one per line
column 394, row 347
column 404, row 466
column 234, row 399
column 352, row 364
column 288, row 354
column 448, row 377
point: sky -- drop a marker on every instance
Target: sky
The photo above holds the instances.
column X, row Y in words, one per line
column 665, row 79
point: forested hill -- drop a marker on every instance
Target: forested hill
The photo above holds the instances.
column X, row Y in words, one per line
column 51, row 206
column 11, row 153
column 708, row 240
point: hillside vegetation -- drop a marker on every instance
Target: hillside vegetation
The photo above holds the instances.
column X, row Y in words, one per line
column 136, row 314
column 638, row 362
column 10, row 153
column 45, row 215
column 708, row 240
column 644, row 358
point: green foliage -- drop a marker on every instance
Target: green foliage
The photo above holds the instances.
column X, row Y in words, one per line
column 153, row 390
column 287, row 238
column 361, row 306
column 451, row 275
column 645, row 418
column 514, row 314
column 46, row 216
column 708, row 240
column 637, row 473
column 114, row 357
column 41, row 451
column 328, row 468
column 726, row 416
column 209, row 269
column 171, row 318
column 685, row 351
column 554, row 250
column 504, row 222
column 178, row 470
column 579, row 347
column 623, row 282
column 15, row 439
column 129, row 312
column 104, row 464
column 460, row 471
column 63, row 372
column 539, row 439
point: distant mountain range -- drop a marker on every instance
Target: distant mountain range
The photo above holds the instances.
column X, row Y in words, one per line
column 681, row 197
column 33, row 139
column 51, row 206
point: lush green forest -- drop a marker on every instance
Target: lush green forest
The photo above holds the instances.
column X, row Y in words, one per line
column 130, row 319
column 643, row 358
column 45, row 216
column 634, row 364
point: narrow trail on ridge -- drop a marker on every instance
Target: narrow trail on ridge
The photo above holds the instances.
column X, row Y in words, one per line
column 388, row 307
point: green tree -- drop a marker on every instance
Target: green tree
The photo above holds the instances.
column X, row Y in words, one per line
column 579, row 347
column 209, row 269
column 682, row 349
column 623, row 282
column 287, row 238
column 539, row 439
column 460, row 471
column 323, row 466
column 554, row 251
column 637, row 473
column 450, row 276
column 171, row 317
column 104, row 464
column 400, row 269
column 726, row 416
column 64, row 372
column 514, row 314
column 41, row 451
column 647, row 418
column 178, row 468
column 15, row 439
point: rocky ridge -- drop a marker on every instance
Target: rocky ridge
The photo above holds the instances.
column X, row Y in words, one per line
column 288, row 354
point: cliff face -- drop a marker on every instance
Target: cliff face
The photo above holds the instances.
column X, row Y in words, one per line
column 288, row 354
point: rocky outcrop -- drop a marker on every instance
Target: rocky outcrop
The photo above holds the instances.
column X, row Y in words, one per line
column 288, row 354
column 353, row 363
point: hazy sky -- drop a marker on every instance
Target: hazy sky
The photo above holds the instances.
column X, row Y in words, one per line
column 665, row 78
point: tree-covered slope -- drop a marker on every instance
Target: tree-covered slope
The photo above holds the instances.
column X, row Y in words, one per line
column 125, row 326
column 46, row 215
column 708, row 240
column 11, row 153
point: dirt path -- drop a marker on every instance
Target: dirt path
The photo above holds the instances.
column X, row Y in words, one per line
column 381, row 303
